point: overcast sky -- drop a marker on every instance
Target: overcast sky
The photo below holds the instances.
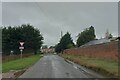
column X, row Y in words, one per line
column 52, row 18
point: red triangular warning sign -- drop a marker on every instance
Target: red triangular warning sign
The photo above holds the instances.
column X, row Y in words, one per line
column 21, row 43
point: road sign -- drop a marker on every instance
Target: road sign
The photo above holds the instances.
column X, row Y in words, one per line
column 21, row 47
column 21, row 43
column 21, row 50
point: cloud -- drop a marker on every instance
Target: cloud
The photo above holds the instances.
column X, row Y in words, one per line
column 52, row 18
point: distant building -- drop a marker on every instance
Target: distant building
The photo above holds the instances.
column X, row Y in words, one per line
column 107, row 34
column 101, row 41
column 108, row 38
column 48, row 50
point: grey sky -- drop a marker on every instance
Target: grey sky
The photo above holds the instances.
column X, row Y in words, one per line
column 59, row 0
column 52, row 18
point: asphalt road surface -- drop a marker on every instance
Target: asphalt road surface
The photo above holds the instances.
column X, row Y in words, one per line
column 53, row 66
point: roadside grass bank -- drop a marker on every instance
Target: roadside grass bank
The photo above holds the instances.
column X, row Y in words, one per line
column 0, row 67
column 7, row 58
column 108, row 68
column 20, row 63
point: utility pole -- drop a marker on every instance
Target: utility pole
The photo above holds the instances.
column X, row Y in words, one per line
column 107, row 34
column 61, row 34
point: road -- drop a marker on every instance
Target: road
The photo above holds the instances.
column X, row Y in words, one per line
column 53, row 66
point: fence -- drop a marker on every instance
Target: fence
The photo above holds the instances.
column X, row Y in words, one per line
column 14, row 57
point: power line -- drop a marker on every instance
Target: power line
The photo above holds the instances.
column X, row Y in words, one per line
column 42, row 11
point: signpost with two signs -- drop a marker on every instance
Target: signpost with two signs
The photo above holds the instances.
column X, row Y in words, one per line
column 21, row 48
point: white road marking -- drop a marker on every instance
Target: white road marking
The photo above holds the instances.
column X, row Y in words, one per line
column 75, row 67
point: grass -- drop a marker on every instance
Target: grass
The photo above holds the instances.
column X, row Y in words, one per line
column 106, row 67
column 20, row 63
column 0, row 67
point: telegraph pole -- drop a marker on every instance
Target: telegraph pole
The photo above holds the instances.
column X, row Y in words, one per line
column 61, row 34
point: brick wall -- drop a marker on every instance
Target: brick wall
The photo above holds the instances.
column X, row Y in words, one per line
column 102, row 51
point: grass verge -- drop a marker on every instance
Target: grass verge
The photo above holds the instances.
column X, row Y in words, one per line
column 20, row 63
column 106, row 67
column 0, row 67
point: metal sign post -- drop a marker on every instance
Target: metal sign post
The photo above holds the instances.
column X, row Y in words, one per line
column 21, row 48
column 21, row 53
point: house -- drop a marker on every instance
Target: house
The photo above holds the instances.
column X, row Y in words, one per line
column 100, row 41
column 48, row 50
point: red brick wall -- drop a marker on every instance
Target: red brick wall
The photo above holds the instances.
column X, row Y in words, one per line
column 102, row 51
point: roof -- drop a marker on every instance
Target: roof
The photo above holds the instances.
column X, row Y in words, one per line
column 99, row 41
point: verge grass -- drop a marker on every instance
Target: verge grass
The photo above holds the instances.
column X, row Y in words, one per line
column 0, row 67
column 20, row 63
column 106, row 67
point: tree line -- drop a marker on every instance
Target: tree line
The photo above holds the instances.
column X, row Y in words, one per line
column 33, row 39
column 11, row 36
column 87, row 35
column 66, row 41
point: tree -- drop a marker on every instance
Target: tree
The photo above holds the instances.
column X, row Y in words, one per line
column 11, row 36
column 44, row 47
column 92, row 33
column 87, row 35
column 66, row 42
column 51, row 47
column 110, row 36
column 70, row 46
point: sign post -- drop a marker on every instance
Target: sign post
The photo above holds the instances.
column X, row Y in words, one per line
column 21, row 48
column 21, row 53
